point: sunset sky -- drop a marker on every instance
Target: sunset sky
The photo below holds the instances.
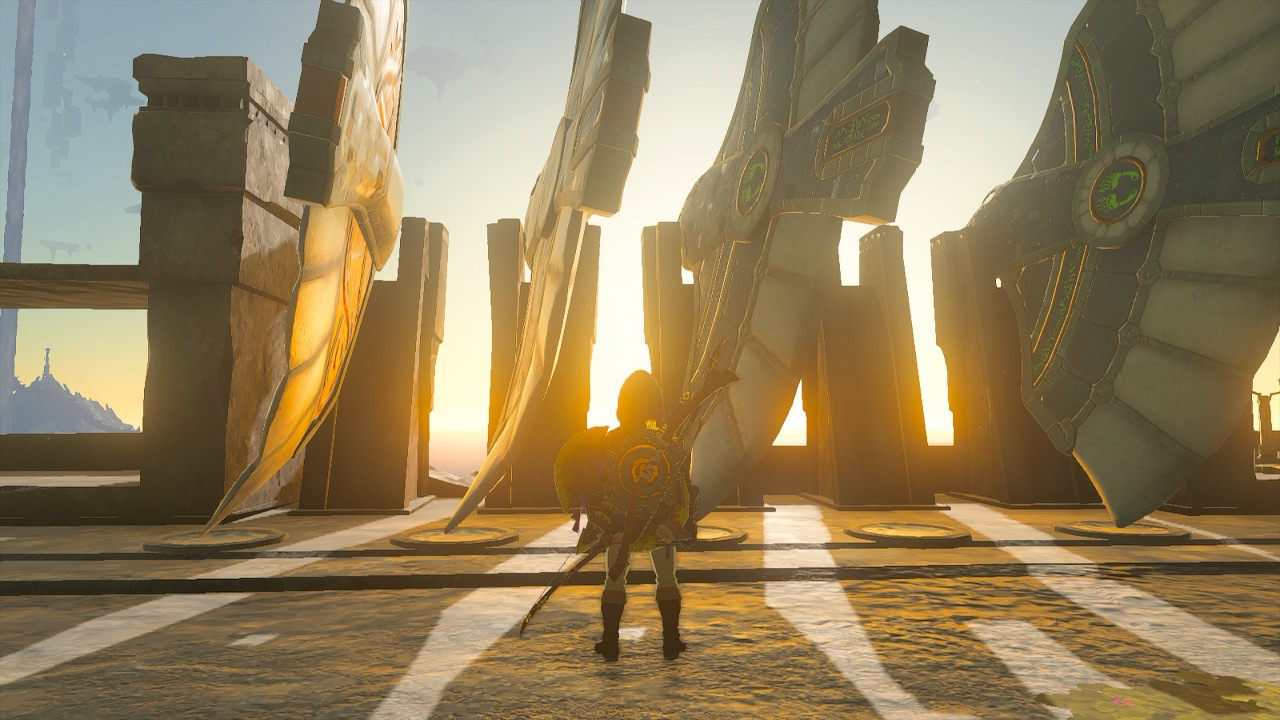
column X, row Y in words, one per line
column 484, row 93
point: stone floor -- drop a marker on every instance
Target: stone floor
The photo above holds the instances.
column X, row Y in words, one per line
column 800, row 620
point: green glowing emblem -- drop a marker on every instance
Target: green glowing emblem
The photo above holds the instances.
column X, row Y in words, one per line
column 857, row 130
column 751, row 185
column 1269, row 149
column 1116, row 190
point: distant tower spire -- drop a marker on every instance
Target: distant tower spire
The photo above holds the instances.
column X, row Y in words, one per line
column 47, row 374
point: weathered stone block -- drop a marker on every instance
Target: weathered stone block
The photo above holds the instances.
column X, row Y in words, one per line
column 168, row 74
column 224, row 237
column 187, row 391
column 216, row 355
column 223, row 132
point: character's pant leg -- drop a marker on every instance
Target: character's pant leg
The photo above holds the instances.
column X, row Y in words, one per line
column 615, row 590
column 664, row 567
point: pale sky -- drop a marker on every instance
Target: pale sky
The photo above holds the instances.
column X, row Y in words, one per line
column 470, row 152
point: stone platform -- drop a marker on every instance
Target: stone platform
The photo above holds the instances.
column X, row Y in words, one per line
column 800, row 619
column 354, row 552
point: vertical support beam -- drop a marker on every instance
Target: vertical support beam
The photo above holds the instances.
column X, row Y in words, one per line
column 1268, row 436
column 506, row 270
column 564, row 410
column 317, row 463
column 1227, row 480
column 649, row 297
column 869, row 419
column 861, row 449
column 219, row 248
column 675, row 308
column 1007, row 457
column 881, row 267
column 375, row 443
column 431, row 334
column 951, row 333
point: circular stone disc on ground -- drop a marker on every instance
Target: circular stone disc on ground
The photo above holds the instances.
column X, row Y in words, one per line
column 716, row 535
column 231, row 538
column 904, row 534
column 1136, row 532
column 435, row 538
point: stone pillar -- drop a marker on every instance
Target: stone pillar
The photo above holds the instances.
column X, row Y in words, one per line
column 866, row 407
column 861, row 453
column 506, row 272
column 880, row 266
column 1005, row 457
column 1227, row 481
column 564, row 409
column 668, row 309
column 431, row 334
column 219, row 250
column 1268, row 434
column 374, row 439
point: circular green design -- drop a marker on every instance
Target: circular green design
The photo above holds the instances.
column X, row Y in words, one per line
column 751, row 184
column 462, row 537
column 1117, row 189
column 1120, row 191
column 1106, row 529
column 217, row 539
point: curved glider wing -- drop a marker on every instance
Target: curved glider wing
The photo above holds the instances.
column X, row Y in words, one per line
column 342, row 164
column 585, row 173
column 1139, row 242
column 828, row 127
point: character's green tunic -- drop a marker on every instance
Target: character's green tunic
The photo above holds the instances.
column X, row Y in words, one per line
column 623, row 473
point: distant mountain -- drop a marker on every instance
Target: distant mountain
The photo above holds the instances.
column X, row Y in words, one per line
column 48, row 406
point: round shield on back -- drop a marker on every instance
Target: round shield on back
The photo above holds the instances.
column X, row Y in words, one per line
column 642, row 471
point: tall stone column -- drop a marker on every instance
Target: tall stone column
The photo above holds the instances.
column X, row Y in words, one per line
column 219, row 249
column 1005, row 456
column 563, row 410
column 668, row 308
column 506, row 273
column 867, row 407
column 373, row 439
column 431, row 334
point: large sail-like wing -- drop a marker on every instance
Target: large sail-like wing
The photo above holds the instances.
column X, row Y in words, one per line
column 585, row 173
column 827, row 128
column 1139, row 242
column 342, row 138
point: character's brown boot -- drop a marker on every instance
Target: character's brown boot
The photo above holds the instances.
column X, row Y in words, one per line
column 611, row 605
column 669, row 606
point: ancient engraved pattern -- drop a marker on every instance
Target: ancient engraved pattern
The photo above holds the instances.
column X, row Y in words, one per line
column 1136, row 338
column 827, row 127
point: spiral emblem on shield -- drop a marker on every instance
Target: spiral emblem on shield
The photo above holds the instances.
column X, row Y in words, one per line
column 644, row 471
